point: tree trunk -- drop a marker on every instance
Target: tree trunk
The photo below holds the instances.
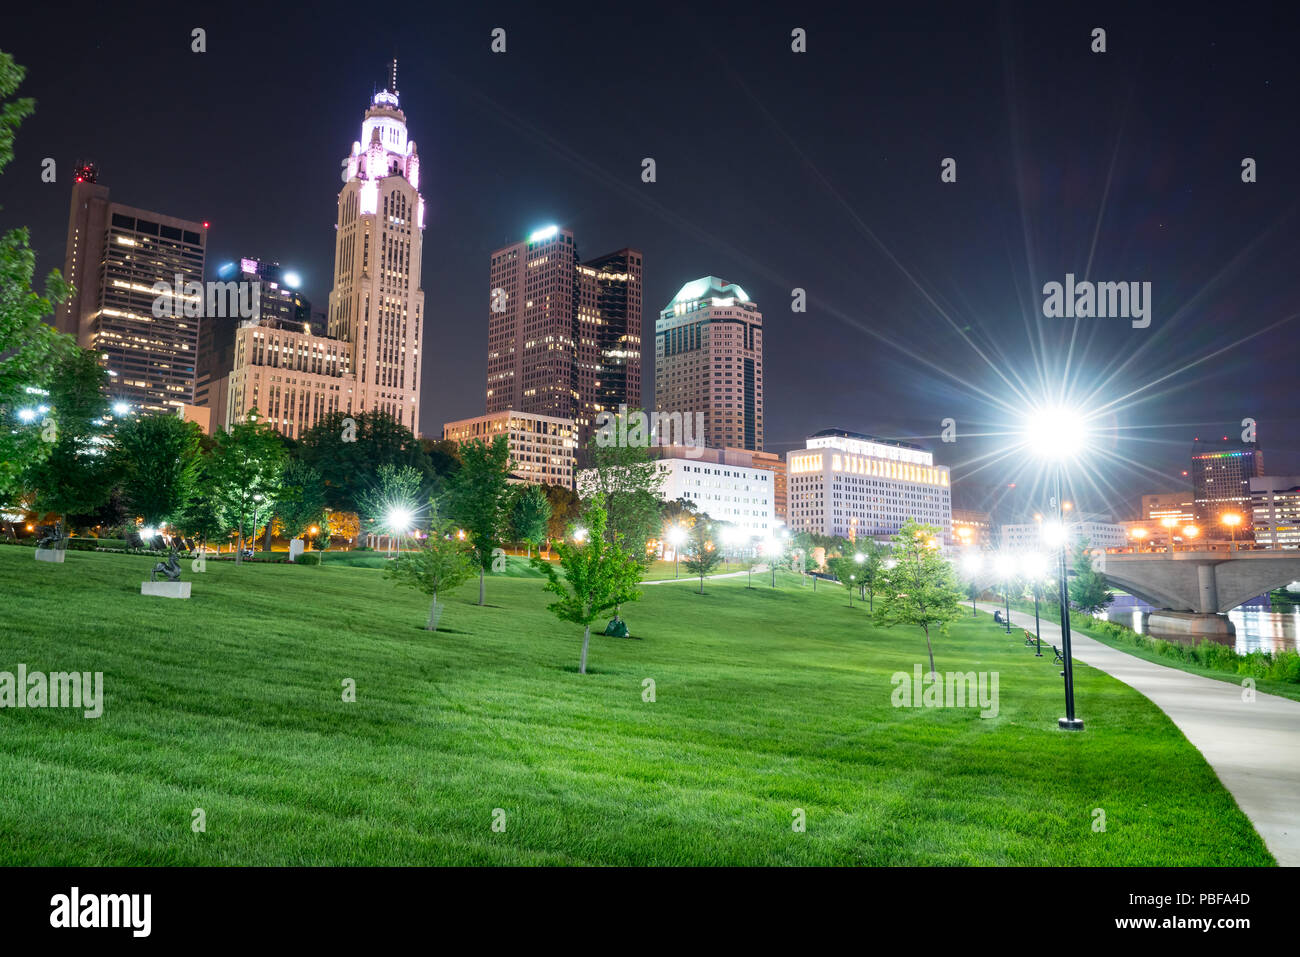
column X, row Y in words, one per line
column 239, row 546
column 480, row 585
column 701, row 583
column 267, row 549
column 433, row 607
column 929, row 649
column 586, row 639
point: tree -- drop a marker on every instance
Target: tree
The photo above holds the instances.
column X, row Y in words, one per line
column 344, row 524
column 566, row 508
column 247, row 462
column 701, row 556
column 1089, row 590
column 598, row 575
column 844, row 568
column 29, row 347
column 530, row 515
column 301, row 502
column 347, row 449
column 920, row 588
column 389, row 505
column 478, row 499
column 440, row 563
column 76, row 478
column 158, row 466
column 871, row 570
column 630, row 481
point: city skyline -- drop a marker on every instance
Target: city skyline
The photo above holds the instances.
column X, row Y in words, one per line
column 913, row 285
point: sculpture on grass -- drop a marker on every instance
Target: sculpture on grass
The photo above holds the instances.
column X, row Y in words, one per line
column 171, row 568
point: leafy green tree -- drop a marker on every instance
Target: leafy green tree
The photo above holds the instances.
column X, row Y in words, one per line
column 871, row 570
column 478, row 499
column 440, row 563
column 348, row 449
column 628, row 478
column 598, row 575
column 396, row 490
column 566, row 508
column 530, row 514
column 76, row 478
column 1089, row 590
column 29, row 347
column 301, row 502
column 701, row 555
column 323, row 535
column 845, row 570
column 247, row 463
column 921, row 587
column 157, row 460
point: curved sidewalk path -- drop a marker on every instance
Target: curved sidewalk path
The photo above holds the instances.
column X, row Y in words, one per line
column 1254, row 747
column 696, row 578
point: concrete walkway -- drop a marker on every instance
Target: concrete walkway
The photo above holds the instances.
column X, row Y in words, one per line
column 1254, row 747
column 758, row 569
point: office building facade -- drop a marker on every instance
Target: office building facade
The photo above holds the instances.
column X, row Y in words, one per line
column 564, row 336
column 856, row 486
column 117, row 257
column 278, row 302
column 1275, row 511
column 290, row 375
column 541, row 446
column 709, row 361
column 1221, row 474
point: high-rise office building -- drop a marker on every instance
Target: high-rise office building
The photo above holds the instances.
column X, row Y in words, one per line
column 856, row 486
column 293, row 376
column 278, row 299
column 1221, row 474
column 709, row 361
column 1275, row 508
column 116, row 257
column 376, row 305
column 564, row 336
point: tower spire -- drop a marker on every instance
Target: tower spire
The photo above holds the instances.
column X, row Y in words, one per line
column 392, row 74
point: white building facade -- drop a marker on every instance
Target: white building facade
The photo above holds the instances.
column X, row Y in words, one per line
column 1098, row 531
column 855, row 486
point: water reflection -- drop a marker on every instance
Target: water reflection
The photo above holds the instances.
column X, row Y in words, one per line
column 1259, row 628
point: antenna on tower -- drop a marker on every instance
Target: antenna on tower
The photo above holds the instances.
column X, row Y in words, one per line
column 392, row 82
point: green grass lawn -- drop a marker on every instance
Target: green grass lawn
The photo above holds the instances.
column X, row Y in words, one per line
column 767, row 700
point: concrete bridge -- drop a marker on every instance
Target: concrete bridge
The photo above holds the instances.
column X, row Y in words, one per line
column 1195, row 589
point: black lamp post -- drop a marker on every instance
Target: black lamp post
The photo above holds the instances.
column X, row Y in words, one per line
column 1069, row 722
column 1038, row 635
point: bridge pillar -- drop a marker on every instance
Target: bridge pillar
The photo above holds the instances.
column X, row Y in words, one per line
column 1190, row 624
column 1208, row 584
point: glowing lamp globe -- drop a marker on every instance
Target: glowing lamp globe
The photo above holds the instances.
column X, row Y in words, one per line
column 1056, row 433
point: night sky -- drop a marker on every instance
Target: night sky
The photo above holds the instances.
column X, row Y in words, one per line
column 775, row 170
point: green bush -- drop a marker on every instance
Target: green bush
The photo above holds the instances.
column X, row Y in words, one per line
column 308, row 558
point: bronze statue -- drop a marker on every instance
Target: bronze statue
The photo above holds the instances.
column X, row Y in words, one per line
column 51, row 536
column 171, row 568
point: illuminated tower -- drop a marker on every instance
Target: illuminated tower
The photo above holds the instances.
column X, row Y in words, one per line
column 709, row 360
column 564, row 336
column 376, row 305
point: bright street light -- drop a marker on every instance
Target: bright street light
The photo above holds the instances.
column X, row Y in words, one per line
column 1056, row 433
column 1232, row 520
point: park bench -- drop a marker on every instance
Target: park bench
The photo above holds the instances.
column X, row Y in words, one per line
column 1030, row 638
column 1059, row 656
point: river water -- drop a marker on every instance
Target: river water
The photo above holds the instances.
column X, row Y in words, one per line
column 1259, row 627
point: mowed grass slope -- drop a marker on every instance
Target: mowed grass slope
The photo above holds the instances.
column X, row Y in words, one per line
column 766, row 701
